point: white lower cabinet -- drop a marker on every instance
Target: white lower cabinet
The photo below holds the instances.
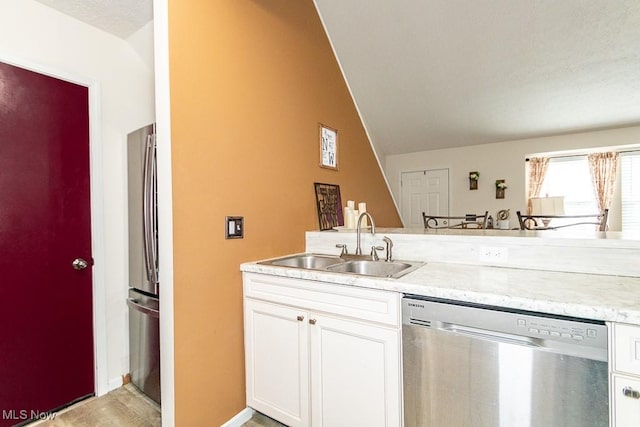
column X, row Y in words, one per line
column 308, row 366
column 625, row 375
column 277, row 361
column 354, row 374
column 626, row 400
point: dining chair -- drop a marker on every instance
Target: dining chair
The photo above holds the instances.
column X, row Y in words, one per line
column 543, row 222
column 472, row 221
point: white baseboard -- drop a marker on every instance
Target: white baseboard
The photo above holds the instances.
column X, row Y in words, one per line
column 113, row 384
column 241, row 418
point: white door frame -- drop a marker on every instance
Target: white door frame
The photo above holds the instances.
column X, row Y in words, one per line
column 165, row 208
column 101, row 380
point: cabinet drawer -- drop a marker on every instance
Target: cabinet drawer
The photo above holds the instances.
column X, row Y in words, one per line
column 626, row 398
column 627, row 348
column 365, row 304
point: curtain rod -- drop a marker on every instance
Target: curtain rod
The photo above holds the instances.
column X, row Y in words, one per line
column 636, row 150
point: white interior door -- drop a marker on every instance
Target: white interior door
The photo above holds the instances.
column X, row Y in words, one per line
column 424, row 191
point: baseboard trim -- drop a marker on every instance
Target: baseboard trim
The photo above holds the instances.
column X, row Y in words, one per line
column 240, row 418
column 113, row 384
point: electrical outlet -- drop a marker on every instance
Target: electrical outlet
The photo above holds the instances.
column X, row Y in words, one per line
column 493, row 254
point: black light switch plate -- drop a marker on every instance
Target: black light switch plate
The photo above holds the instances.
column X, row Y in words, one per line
column 234, row 227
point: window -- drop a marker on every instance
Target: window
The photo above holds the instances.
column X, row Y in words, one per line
column 570, row 177
column 630, row 190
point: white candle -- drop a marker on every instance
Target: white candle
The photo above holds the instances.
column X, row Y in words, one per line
column 351, row 204
column 362, row 207
column 347, row 216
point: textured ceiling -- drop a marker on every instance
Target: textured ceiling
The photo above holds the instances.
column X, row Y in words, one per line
column 430, row 74
column 118, row 17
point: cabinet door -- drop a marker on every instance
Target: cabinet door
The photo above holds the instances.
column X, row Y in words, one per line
column 626, row 401
column 277, row 361
column 355, row 373
column 627, row 348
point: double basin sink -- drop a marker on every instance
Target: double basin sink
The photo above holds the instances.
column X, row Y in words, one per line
column 351, row 264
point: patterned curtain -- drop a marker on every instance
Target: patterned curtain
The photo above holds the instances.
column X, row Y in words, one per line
column 603, row 167
column 537, row 170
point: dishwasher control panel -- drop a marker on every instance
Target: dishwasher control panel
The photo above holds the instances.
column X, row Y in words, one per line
column 546, row 329
column 541, row 329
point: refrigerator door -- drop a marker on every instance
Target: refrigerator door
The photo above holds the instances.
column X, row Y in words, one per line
column 144, row 343
column 142, row 198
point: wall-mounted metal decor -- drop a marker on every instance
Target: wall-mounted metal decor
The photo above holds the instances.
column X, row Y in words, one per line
column 329, row 205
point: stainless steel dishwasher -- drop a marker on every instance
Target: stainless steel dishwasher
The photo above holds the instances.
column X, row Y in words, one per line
column 483, row 366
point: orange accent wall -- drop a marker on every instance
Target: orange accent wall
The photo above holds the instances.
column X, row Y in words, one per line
column 250, row 81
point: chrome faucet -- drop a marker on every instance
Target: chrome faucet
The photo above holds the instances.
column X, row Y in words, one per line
column 358, row 226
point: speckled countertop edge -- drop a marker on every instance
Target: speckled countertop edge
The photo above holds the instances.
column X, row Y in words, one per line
column 589, row 296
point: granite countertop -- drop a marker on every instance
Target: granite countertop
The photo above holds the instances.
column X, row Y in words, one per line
column 590, row 296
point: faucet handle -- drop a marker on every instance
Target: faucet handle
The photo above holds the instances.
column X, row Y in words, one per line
column 344, row 250
column 374, row 252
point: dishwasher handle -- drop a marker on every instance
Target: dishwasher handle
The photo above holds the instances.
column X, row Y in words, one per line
column 491, row 335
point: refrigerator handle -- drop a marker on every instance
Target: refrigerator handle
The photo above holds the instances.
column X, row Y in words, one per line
column 154, row 214
column 133, row 303
column 147, row 206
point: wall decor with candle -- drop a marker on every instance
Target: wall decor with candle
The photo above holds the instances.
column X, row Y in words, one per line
column 473, row 180
column 501, row 186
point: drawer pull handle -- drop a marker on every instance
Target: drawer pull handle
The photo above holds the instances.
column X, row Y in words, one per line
column 312, row 321
column 300, row 318
column 629, row 392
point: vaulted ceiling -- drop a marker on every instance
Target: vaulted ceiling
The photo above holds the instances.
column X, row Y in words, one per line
column 118, row 17
column 428, row 74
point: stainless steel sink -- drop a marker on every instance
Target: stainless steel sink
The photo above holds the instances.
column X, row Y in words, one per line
column 364, row 267
column 374, row 268
column 308, row 261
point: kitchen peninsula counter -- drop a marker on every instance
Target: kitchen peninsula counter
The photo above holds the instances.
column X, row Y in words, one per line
column 596, row 278
column 597, row 297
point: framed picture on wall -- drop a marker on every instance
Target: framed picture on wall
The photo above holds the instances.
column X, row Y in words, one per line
column 329, row 205
column 328, row 147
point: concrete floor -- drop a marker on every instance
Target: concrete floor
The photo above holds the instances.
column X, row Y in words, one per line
column 122, row 407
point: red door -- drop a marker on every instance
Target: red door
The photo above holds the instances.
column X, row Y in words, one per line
column 46, row 320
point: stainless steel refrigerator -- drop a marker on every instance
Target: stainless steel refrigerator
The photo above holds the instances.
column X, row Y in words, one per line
column 144, row 296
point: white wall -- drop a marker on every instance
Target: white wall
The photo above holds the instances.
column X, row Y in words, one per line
column 165, row 208
column 38, row 37
column 504, row 160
